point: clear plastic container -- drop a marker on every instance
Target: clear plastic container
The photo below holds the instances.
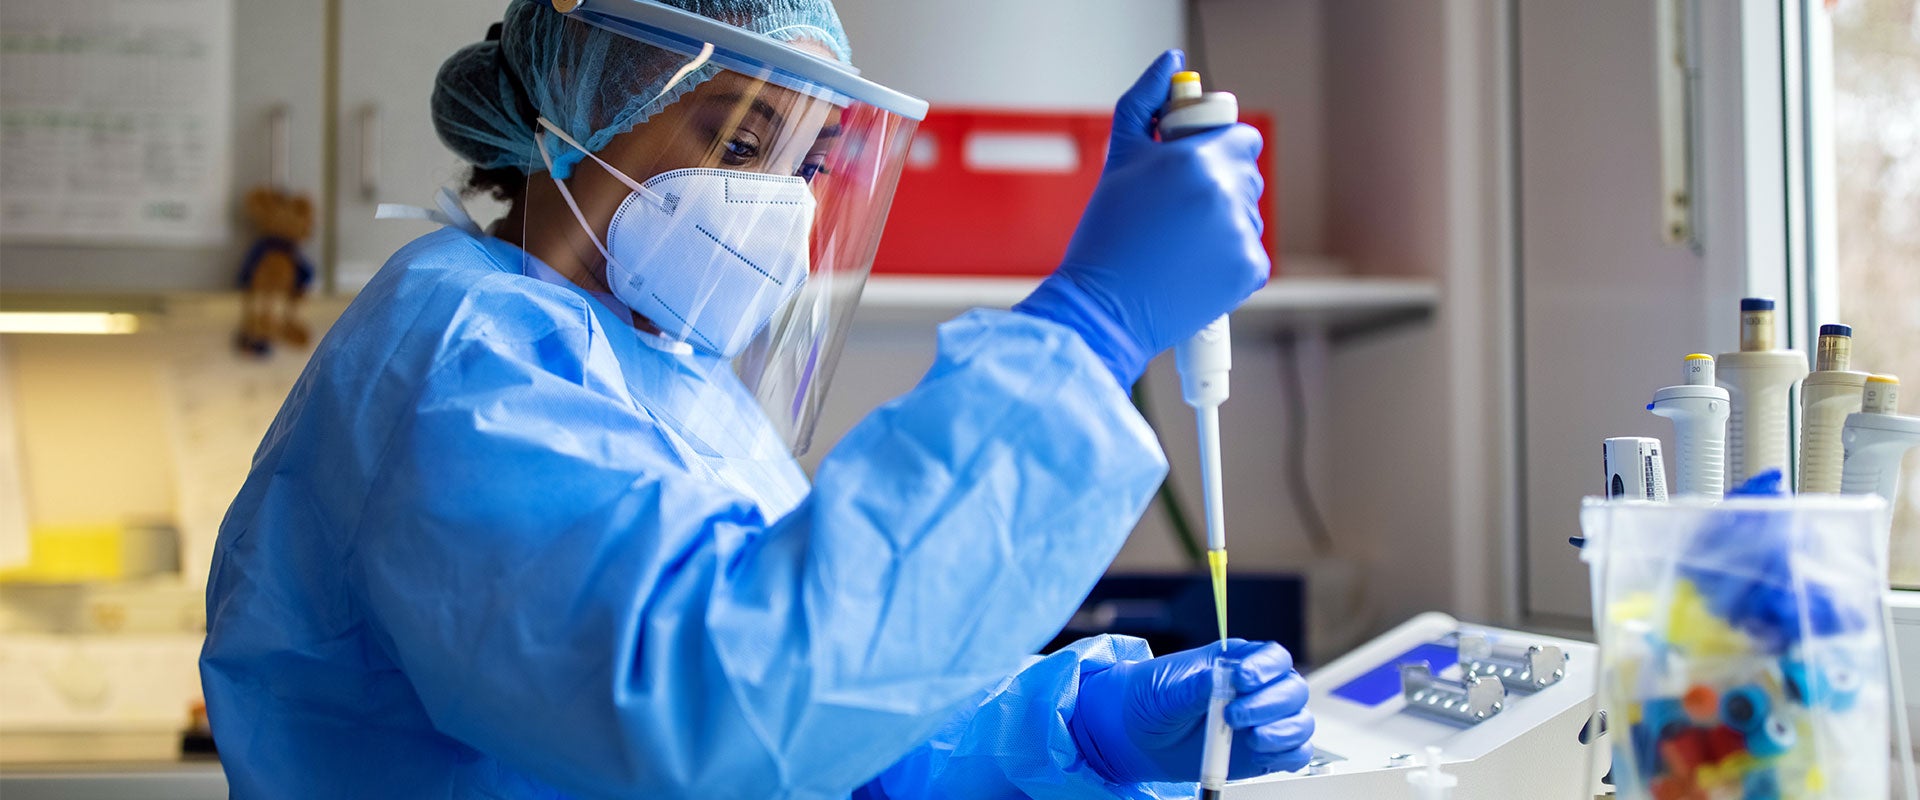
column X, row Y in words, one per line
column 1744, row 646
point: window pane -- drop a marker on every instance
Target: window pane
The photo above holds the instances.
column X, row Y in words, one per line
column 1876, row 139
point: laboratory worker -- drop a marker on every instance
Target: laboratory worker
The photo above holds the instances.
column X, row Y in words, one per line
column 530, row 524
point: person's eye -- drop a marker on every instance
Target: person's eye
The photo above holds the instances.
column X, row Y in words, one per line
column 739, row 150
column 813, row 169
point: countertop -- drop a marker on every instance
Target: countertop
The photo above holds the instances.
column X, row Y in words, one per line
column 176, row 780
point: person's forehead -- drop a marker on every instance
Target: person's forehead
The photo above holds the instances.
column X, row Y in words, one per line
column 732, row 87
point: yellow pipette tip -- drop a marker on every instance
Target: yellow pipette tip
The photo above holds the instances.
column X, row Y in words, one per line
column 1217, row 566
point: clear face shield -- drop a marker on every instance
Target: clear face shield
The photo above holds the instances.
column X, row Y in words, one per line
column 741, row 217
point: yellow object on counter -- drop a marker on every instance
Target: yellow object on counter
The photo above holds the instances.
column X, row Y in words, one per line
column 79, row 553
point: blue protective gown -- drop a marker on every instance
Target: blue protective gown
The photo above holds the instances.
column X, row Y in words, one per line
column 499, row 543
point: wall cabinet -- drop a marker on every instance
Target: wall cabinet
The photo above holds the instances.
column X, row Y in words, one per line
column 387, row 150
column 375, row 141
column 279, row 65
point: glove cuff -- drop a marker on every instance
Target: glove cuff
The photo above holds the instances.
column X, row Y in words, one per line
column 1060, row 300
column 1097, row 710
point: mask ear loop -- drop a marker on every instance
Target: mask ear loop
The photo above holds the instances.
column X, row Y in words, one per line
column 649, row 194
column 540, row 143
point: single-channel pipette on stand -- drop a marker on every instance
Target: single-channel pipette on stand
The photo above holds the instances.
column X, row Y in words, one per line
column 1205, row 359
column 1876, row 439
column 1760, row 378
column 1827, row 396
column 1699, row 411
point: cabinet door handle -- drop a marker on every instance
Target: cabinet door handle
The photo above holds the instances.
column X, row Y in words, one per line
column 369, row 152
column 280, row 147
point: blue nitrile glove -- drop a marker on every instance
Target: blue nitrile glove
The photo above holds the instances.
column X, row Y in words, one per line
column 1141, row 721
column 1170, row 240
column 1744, row 568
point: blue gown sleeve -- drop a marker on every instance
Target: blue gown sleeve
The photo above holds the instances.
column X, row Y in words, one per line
column 567, row 595
column 1013, row 742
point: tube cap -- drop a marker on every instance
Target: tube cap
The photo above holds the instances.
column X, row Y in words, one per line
column 1756, row 304
column 1836, row 330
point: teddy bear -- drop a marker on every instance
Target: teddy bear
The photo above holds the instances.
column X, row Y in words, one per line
column 274, row 276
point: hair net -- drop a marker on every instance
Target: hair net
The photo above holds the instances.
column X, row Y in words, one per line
column 593, row 83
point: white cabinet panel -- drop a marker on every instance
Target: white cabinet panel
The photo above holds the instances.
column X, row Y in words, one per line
column 387, row 151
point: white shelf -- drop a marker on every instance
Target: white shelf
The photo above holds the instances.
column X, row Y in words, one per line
column 1343, row 304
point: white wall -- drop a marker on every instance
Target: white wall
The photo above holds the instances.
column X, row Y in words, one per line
column 1073, row 54
column 1271, row 54
column 1609, row 309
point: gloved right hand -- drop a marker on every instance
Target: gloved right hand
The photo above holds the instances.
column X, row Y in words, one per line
column 1170, row 240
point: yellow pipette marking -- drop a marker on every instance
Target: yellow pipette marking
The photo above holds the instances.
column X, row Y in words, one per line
column 1217, row 565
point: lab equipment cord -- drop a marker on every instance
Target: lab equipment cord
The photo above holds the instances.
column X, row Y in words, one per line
column 1169, row 501
column 1294, row 407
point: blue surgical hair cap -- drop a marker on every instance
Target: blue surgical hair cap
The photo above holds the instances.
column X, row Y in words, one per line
column 592, row 83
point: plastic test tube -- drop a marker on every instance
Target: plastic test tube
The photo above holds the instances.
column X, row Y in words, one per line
column 1217, row 748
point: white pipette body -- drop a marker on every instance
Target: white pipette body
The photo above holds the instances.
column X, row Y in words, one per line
column 1828, row 395
column 1699, row 412
column 1875, row 441
column 1759, row 379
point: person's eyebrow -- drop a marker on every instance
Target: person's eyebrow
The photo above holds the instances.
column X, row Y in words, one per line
column 757, row 106
column 829, row 132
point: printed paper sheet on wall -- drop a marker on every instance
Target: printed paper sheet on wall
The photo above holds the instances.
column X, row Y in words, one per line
column 115, row 121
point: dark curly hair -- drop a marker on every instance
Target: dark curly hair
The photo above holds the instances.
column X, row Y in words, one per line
column 505, row 184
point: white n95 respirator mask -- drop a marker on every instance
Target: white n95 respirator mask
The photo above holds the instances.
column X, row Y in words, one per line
column 707, row 255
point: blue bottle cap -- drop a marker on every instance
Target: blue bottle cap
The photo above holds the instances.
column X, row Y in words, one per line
column 1756, row 304
column 1836, row 330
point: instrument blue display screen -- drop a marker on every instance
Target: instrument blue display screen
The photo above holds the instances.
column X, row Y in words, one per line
column 1382, row 683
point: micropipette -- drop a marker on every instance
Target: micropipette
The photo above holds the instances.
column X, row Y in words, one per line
column 1830, row 393
column 1876, row 439
column 1205, row 359
column 1760, row 379
column 1217, row 748
column 1699, row 413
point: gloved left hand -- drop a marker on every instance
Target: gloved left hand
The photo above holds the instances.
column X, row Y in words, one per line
column 1142, row 721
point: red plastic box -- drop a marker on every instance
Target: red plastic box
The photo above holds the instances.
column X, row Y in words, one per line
column 998, row 193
